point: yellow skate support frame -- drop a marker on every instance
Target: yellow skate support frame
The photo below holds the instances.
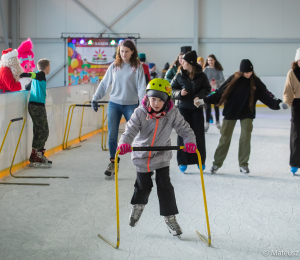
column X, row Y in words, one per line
column 158, row 148
column 12, row 163
column 69, row 122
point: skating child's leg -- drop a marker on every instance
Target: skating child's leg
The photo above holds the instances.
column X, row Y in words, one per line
column 245, row 144
column 143, row 186
column 40, row 135
column 167, row 201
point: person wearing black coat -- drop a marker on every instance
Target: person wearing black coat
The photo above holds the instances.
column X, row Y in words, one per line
column 239, row 94
column 189, row 86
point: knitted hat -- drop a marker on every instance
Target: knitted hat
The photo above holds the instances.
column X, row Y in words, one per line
column 151, row 65
column 142, row 56
column 9, row 53
column 167, row 66
column 191, row 57
column 297, row 57
column 246, row 66
column 156, row 93
column 200, row 59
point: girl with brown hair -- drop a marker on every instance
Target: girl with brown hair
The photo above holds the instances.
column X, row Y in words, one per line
column 239, row 94
column 214, row 72
column 174, row 68
column 291, row 97
column 188, row 87
column 126, row 75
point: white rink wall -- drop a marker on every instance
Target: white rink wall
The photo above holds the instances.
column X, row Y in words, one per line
column 14, row 105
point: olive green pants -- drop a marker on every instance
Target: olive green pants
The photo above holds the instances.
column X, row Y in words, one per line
column 224, row 143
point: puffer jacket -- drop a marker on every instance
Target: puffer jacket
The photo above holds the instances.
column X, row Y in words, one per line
column 171, row 72
column 197, row 87
column 143, row 130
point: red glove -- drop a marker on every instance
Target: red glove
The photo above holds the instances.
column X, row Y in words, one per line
column 190, row 148
column 124, row 148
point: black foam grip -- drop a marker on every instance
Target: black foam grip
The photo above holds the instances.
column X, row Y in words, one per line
column 16, row 119
column 156, row 148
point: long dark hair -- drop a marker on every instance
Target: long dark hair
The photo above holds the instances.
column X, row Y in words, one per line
column 176, row 62
column 134, row 61
column 218, row 65
column 232, row 84
column 190, row 75
column 295, row 65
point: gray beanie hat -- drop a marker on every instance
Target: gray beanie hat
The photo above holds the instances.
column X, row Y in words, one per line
column 155, row 93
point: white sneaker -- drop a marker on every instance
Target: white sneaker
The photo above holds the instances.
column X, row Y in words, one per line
column 206, row 127
column 244, row 169
column 218, row 125
column 135, row 214
column 173, row 226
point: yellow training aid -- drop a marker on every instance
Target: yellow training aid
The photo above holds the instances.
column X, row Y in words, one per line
column 160, row 85
column 157, row 148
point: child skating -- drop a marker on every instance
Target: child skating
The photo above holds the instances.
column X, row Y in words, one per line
column 151, row 125
column 37, row 111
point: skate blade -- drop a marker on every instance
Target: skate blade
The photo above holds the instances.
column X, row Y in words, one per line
column 41, row 165
column 110, row 177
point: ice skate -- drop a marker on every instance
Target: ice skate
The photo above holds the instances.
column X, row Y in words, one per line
column 294, row 170
column 244, row 169
column 38, row 160
column 135, row 214
column 203, row 167
column 110, row 172
column 214, row 169
column 206, row 127
column 182, row 168
column 218, row 125
column 173, row 226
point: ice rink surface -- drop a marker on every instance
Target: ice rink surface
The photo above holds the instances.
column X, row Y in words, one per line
column 251, row 217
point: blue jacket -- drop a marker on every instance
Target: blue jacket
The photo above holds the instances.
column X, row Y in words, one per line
column 38, row 87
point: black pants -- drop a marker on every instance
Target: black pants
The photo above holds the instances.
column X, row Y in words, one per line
column 196, row 120
column 295, row 134
column 208, row 112
column 165, row 190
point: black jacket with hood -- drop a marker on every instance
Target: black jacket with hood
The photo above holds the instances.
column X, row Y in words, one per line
column 197, row 87
column 237, row 105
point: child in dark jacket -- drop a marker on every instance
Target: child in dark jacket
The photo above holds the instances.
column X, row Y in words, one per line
column 151, row 125
column 37, row 111
column 239, row 94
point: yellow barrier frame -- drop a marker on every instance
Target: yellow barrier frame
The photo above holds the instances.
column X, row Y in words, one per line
column 68, row 125
column 116, row 246
column 12, row 163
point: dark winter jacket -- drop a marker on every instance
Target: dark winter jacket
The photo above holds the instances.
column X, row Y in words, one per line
column 197, row 87
column 170, row 74
column 237, row 104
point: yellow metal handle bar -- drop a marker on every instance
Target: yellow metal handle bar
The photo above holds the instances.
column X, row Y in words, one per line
column 208, row 242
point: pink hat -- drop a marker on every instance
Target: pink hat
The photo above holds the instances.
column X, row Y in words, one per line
column 26, row 56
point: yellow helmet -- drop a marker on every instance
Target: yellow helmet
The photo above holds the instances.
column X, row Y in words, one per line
column 160, row 85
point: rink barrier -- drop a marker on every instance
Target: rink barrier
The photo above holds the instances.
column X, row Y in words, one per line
column 158, row 148
column 104, row 132
column 12, row 163
column 68, row 125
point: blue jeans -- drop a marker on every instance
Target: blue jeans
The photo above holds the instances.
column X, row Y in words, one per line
column 114, row 114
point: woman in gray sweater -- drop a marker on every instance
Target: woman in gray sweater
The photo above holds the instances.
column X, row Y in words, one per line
column 126, row 75
column 214, row 72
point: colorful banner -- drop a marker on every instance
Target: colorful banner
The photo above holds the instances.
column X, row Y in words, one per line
column 88, row 59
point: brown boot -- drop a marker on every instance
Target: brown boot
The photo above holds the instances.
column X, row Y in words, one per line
column 44, row 157
column 32, row 156
column 39, row 160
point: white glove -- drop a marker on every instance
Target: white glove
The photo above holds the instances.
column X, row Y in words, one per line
column 284, row 105
column 199, row 102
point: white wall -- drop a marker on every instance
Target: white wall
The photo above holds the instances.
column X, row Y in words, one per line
column 251, row 20
column 14, row 105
